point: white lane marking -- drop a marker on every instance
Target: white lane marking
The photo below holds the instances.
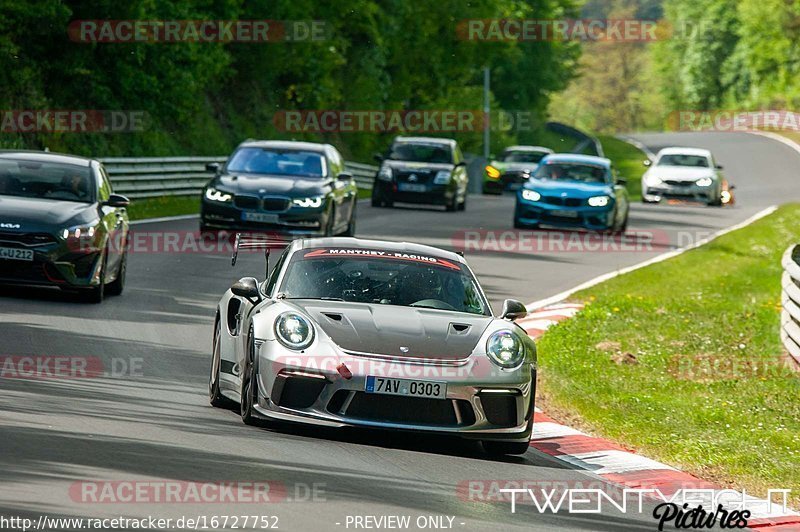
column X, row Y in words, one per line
column 547, row 429
column 612, row 462
column 165, row 219
column 780, row 138
column 659, row 258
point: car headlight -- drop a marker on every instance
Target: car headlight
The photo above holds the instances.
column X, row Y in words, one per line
column 505, row 349
column 309, row 203
column 530, row 195
column 492, row 172
column 599, row 201
column 212, row 194
column 704, row 182
column 294, row 331
column 84, row 232
column 442, row 177
column 385, row 173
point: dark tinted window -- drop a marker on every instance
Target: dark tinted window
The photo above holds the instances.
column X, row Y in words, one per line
column 46, row 180
column 278, row 162
column 421, row 152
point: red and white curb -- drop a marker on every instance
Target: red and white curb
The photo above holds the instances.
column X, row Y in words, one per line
column 623, row 467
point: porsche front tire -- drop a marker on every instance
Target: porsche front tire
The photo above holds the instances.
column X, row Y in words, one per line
column 215, row 397
column 249, row 389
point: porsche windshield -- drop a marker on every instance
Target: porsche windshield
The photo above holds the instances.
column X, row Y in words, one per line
column 277, row 162
column 46, row 180
column 383, row 277
column 586, row 173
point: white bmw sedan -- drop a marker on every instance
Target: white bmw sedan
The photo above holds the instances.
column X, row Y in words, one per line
column 688, row 174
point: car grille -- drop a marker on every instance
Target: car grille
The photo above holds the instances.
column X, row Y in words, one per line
column 399, row 409
column 27, row 239
column 270, row 203
column 500, row 409
column 562, row 202
column 422, row 177
column 22, row 271
column 679, row 183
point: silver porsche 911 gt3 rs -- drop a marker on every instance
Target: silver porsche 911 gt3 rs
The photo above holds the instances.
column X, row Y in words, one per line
column 366, row 333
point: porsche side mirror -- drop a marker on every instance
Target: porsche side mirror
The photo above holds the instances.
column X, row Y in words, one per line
column 513, row 310
column 212, row 167
column 247, row 287
column 344, row 176
column 648, row 162
column 719, row 167
column 117, row 200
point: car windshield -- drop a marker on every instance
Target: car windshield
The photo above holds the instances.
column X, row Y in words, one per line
column 278, row 162
column 678, row 159
column 421, row 152
column 522, row 157
column 586, row 173
column 46, row 180
column 383, row 277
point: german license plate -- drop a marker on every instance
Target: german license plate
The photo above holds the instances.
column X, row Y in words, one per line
column 16, row 254
column 411, row 187
column 260, row 217
column 407, row 387
column 564, row 214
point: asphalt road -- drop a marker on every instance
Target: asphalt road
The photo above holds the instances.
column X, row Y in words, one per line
column 152, row 422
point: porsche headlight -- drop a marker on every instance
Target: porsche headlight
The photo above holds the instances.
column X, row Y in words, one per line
column 704, row 182
column 599, row 201
column 385, row 173
column 505, row 349
column 442, row 177
column 530, row 195
column 294, row 331
column 308, row 203
column 212, row 194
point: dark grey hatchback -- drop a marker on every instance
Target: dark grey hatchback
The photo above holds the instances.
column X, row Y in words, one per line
column 295, row 188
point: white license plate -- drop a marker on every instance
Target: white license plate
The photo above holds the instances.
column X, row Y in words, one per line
column 260, row 217
column 565, row 214
column 411, row 187
column 411, row 388
column 16, row 254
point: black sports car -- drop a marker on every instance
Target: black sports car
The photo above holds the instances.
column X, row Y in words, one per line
column 297, row 188
column 61, row 224
column 422, row 170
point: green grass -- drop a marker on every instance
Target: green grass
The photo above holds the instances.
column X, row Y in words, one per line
column 628, row 160
column 709, row 389
column 140, row 209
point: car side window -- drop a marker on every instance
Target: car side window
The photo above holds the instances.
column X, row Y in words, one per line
column 276, row 271
column 104, row 189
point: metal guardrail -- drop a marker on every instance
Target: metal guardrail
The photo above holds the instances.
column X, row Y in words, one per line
column 148, row 177
column 790, row 301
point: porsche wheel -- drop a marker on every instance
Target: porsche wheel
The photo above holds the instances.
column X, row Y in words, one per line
column 249, row 390
column 215, row 397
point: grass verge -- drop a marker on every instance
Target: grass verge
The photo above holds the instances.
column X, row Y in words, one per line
column 628, row 160
column 682, row 361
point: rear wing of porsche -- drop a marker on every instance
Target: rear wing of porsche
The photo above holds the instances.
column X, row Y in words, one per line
column 257, row 241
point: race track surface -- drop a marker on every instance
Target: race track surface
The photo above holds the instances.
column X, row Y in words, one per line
column 153, row 421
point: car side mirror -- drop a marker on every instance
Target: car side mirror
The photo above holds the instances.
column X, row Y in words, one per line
column 344, row 176
column 462, row 163
column 719, row 167
column 513, row 310
column 247, row 287
column 117, row 200
column 648, row 162
column 622, row 181
column 378, row 157
column 213, row 167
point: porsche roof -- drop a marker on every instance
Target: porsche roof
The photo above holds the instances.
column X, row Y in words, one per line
column 381, row 245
